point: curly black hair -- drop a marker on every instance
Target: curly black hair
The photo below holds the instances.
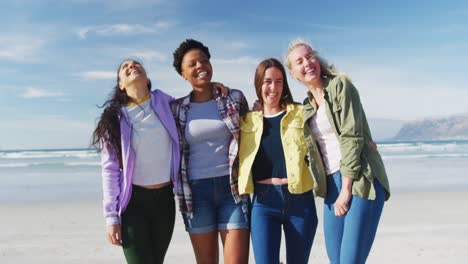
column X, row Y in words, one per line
column 184, row 47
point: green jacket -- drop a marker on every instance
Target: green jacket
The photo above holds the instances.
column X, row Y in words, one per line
column 359, row 161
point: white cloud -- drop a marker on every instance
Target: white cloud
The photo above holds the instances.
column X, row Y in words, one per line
column 31, row 92
column 239, row 45
column 242, row 60
column 98, row 75
column 20, row 48
column 123, row 29
column 149, row 55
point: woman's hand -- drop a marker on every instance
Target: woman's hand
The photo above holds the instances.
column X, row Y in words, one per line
column 257, row 106
column 221, row 88
column 342, row 203
column 373, row 145
column 114, row 235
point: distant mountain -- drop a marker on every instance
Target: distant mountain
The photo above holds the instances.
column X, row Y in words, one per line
column 449, row 128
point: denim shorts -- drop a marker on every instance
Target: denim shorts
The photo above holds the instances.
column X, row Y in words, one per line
column 214, row 208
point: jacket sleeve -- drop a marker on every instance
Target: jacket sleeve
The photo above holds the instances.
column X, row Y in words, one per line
column 351, row 127
column 111, row 175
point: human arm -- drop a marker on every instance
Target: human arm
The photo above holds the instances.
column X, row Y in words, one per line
column 110, row 170
column 257, row 106
column 349, row 115
column 224, row 90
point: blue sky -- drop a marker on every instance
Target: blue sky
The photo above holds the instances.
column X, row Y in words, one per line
column 58, row 59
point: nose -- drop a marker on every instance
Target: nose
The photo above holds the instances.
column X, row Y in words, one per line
column 274, row 86
column 307, row 62
column 198, row 65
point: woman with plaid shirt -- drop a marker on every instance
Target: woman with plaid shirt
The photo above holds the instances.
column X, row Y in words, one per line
column 206, row 186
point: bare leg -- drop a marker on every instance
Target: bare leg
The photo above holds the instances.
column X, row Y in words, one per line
column 205, row 247
column 235, row 245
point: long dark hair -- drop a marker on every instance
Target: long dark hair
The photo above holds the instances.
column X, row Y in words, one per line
column 108, row 127
column 286, row 96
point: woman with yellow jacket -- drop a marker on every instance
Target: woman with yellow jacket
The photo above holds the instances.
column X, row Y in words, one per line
column 273, row 167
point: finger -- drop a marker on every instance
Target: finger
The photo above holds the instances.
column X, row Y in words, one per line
column 111, row 238
column 118, row 239
column 345, row 208
column 337, row 210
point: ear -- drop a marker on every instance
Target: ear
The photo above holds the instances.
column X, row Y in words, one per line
column 121, row 87
column 183, row 75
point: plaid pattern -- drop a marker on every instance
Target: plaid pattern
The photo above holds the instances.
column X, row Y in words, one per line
column 230, row 108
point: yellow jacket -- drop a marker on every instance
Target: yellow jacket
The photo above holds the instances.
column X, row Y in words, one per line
column 294, row 145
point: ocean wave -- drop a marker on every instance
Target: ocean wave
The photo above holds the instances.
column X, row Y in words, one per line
column 423, row 146
column 49, row 164
column 425, row 156
column 44, row 154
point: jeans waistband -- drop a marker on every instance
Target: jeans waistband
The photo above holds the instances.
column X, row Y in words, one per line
column 140, row 189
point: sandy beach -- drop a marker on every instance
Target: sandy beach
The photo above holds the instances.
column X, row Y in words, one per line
column 417, row 227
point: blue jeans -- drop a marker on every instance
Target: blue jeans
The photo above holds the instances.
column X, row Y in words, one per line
column 274, row 207
column 349, row 238
column 214, row 208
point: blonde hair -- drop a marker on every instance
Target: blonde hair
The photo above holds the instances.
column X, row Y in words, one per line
column 328, row 70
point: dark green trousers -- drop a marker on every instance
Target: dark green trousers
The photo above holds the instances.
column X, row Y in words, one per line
column 147, row 225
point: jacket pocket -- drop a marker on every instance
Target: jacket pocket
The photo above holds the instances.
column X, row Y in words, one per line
column 336, row 107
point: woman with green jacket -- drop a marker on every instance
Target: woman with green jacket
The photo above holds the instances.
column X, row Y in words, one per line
column 349, row 171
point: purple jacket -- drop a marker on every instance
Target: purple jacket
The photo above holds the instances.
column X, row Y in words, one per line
column 117, row 183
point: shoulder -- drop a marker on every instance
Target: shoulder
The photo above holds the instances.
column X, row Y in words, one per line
column 341, row 85
column 236, row 95
column 295, row 108
column 338, row 81
column 179, row 101
column 251, row 118
column 160, row 95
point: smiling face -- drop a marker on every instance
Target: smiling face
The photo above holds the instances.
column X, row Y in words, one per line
column 272, row 87
column 304, row 65
column 196, row 68
column 131, row 72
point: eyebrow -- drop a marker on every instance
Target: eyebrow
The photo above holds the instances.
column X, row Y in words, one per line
column 268, row 78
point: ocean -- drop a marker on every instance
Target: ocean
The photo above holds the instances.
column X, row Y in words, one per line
column 75, row 173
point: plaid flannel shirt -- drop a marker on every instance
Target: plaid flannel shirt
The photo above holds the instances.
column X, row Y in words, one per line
column 230, row 108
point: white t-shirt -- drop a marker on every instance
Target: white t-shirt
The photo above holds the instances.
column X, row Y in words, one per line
column 326, row 138
column 152, row 145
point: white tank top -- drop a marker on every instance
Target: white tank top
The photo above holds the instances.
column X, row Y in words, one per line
column 326, row 138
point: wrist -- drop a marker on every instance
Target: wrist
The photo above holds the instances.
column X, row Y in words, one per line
column 346, row 190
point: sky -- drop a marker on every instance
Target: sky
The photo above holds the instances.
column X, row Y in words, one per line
column 58, row 58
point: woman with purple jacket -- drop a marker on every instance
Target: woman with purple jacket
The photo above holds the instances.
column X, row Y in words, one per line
column 139, row 145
